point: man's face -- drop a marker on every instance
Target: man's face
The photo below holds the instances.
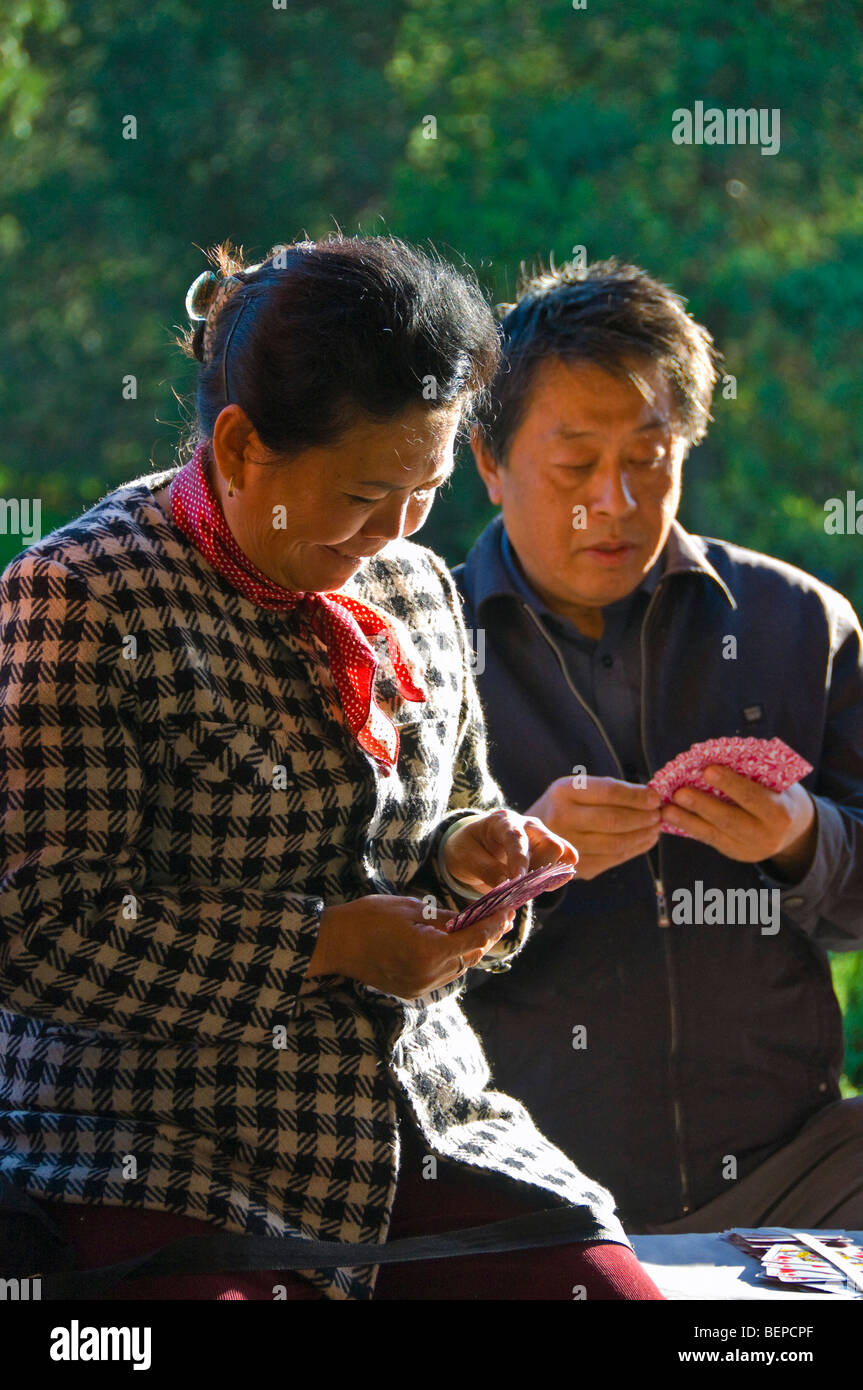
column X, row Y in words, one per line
column 591, row 484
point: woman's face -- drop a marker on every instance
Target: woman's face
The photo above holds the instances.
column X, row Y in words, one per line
column 309, row 522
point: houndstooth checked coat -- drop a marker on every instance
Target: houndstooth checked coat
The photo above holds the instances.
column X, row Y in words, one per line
column 161, row 882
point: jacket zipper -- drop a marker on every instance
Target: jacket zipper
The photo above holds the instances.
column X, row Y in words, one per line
column 586, row 707
column 655, row 870
column 664, row 921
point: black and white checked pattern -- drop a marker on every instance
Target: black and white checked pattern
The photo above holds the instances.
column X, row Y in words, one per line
column 179, row 796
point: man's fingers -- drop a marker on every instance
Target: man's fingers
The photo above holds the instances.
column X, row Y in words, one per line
column 752, row 796
column 726, row 817
column 622, row 820
column 616, row 851
column 604, row 816
column 727, row 829
column 611, row 791
column 605, row 836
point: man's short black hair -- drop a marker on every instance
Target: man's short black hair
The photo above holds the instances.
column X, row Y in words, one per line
column 605, row 314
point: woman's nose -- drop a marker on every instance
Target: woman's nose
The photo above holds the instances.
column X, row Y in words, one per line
column 388, row 521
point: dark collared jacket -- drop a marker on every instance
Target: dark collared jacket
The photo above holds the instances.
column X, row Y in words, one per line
column 700, row 1043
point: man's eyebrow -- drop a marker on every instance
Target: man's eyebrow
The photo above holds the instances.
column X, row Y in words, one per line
column 564, row 432
column 654, row 423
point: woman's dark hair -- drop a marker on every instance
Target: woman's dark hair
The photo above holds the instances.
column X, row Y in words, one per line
column 322, row 332
column 605, row 314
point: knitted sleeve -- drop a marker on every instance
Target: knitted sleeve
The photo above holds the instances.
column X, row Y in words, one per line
column 84, row 938
column 473, row 787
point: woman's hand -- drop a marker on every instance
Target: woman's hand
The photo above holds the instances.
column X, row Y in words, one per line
column 487, row 850
column 384, row 941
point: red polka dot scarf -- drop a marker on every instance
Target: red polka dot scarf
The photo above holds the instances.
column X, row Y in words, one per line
column 342, row 622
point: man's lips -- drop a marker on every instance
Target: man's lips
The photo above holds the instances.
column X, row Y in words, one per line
column 610, row 545
column 610, row 552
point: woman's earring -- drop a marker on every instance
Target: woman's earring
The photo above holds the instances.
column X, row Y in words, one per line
column 231, row 486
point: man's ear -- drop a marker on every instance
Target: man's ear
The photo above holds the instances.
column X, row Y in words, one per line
column 487, row 466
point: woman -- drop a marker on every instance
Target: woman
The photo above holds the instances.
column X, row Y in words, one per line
column 245, row 766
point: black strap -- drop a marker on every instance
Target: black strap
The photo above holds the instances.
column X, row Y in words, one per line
column 228, row 1252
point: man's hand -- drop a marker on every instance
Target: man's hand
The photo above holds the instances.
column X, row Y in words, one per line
column 487, row 850
column 385, row 942
column 760, row 825
column 608, row 821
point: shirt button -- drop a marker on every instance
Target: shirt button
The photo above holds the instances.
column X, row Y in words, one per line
column 823, row 1086
column 607, row 660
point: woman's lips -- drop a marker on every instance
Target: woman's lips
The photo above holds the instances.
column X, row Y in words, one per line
column 343, row 554
column 350, row 554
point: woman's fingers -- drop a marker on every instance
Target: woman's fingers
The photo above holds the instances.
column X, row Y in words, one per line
column 546, row 847
column 509, row 841
column 484, row 934
column 460, row 951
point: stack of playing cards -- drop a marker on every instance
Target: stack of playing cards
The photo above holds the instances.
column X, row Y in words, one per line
column 768, row 761
column 512, row 894
column 818, row 1261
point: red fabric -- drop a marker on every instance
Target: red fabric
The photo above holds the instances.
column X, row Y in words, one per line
column 459, row 1198
column 456, row 1199
column 343, row 623
column 105, row 1235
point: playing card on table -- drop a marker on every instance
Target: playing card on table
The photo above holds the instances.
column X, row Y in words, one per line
column 786, row 1259
column 512, row 894
column 768, row 761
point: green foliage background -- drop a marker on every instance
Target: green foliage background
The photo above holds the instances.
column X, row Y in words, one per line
column 270, row 120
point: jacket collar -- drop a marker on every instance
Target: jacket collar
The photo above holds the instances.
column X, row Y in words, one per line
column 487, row 574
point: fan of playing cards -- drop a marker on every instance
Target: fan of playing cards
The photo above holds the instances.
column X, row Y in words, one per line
column 822, row 1261
column 768, row 761
column 512, row 894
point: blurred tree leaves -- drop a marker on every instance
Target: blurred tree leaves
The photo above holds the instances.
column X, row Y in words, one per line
column 252, row 122
column 553, row 129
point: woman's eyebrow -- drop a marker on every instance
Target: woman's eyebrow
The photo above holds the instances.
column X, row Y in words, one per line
column 391, row 487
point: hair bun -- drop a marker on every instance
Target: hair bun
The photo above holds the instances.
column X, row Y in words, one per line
column 200, row 295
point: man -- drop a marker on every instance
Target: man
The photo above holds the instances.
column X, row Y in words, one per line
column 673, row 1024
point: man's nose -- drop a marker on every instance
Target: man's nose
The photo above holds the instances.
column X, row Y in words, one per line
column 611, row 491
